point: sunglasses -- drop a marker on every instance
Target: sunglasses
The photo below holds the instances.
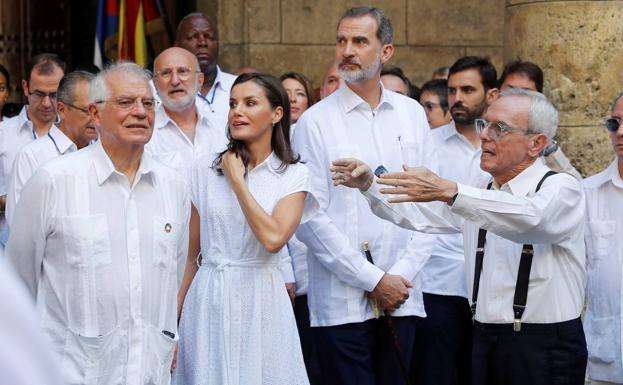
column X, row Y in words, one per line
column 612, row 124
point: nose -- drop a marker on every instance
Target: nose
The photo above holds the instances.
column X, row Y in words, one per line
column 348, row 49
column 202, row 40
column 46, row 101
column 292, row 97
column 175, row 78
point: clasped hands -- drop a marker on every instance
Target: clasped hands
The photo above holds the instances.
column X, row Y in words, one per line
column 414, row 184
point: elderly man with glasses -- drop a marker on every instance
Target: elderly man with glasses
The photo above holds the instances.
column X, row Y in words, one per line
column 100, row 239
column 183, row 129
column 604, row 252
column 523, row 241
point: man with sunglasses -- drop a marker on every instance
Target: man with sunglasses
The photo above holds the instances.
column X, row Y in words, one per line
column 74, row 131
column 44, row 73
column 183, row 130
column 604, row 252
column 523, row 241
column 100, row 238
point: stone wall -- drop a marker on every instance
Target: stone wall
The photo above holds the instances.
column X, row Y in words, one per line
column 299, row 35
column 577, row 43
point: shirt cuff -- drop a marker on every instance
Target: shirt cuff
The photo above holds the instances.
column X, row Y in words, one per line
column 369, row 275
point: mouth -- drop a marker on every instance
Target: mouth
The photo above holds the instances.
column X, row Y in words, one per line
column 203, row 56
column 238, row 124
column 294, row 109
column 347, row 65
column 138, row 126
column 177, row 92
column 486, row 152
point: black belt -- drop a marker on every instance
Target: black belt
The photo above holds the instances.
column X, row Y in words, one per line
column 529, row 328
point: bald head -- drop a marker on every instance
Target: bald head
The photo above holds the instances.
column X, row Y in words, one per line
column 177, row 78
column 199, row 35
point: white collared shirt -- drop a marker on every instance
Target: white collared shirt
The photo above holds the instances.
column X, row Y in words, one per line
column 217, row 99
column 604, row 251
column 393, row 134
column 30, row 158
column 172, row 147
column 104, row 261
column 551, row 220
column 459, row 161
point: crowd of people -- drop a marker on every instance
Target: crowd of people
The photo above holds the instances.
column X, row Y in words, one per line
column 190, row 226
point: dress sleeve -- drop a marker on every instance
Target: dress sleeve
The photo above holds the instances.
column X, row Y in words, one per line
column 298, row 180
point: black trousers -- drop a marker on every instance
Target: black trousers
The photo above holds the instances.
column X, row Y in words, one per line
column 363, row 353
column 540, row 354
column 443, row 342
column 310, row 355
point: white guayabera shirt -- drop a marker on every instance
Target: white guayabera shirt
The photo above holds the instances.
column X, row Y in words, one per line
column 393, row 134
column 104, row 260
column 604, row 251
column 551, row 220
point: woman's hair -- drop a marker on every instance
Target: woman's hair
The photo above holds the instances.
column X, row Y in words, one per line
column 4, row 72
column 280, row 139
column 309, row 89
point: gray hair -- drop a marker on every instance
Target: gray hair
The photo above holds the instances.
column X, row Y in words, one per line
column 99, row 91
column 542, row 115
column 384, row 30
column 67, row 86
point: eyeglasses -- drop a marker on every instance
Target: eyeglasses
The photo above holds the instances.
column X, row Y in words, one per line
column 127, row 104
column 183, row 73
column 83, row 110
column 498, row 129
column 612, row 124
column 38, row 96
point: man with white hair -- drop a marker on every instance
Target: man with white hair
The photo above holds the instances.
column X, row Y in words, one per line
column 182, row 130
column 100, row 238
column 523, row 241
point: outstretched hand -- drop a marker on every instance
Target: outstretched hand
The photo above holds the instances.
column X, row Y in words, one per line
column 352, row 173
column 417, row 184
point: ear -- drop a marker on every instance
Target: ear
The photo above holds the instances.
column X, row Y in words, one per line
column 492, row 95
column 25, row 88
column 60, row 109
column 277, row 114
column 537, row 145
column 95, row 114
column 201, row 79
column 387, row 52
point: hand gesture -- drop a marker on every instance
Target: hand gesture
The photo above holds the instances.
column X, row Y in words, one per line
column 352, row 173
column 232, row 167
column 417, row 184
column 391, row 292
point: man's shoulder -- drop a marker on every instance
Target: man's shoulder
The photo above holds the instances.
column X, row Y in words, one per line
column 165, row 172
column 595, row 181
column 74, row 163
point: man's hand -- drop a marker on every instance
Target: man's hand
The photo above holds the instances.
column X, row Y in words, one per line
column 417, row 184
column 351, row 172
column 291, row 288
column 391, row 292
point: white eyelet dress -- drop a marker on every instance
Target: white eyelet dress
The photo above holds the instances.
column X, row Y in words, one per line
column 237, row 325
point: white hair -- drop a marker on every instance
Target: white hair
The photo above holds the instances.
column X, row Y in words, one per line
column 100, row 92
column 542, row 115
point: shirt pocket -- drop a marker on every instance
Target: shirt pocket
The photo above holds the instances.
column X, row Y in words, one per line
column 166, row 237
column 410, row 154
column 93, row 360
column 158, row 356
column 600, row 239
column 87, row 241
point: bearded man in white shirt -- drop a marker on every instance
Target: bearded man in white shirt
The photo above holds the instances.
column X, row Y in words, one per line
column 604, row 251
column 364, row 119
column 100, row 239
column 74, row 131
column 527, row 327
column 182, row 130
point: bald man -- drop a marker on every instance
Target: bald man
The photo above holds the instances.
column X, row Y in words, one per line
column 182, row 129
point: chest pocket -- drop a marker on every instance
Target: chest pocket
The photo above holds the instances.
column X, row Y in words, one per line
column 86, row 240
column 166, row 235
column 600, row 239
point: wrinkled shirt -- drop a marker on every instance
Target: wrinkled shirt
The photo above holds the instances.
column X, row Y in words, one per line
column 104, row 261
column 604, row 252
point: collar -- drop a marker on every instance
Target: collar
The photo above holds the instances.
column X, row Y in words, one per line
column 447, row 131
column 162, row 119
column 61, row 141
column 272, row 163
column 613, row 171
column 23, row 122
column 104, row 167
column 350, row 100
column 527, row 180
column 219, row 81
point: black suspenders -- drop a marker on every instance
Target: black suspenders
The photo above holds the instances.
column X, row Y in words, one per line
column 523, row 274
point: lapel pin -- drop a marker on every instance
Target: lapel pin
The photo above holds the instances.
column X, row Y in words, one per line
column 167, row 228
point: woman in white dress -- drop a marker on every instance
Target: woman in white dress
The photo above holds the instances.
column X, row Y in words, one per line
column 237, row 325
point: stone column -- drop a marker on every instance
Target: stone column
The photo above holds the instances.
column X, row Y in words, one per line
column 579, row 46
